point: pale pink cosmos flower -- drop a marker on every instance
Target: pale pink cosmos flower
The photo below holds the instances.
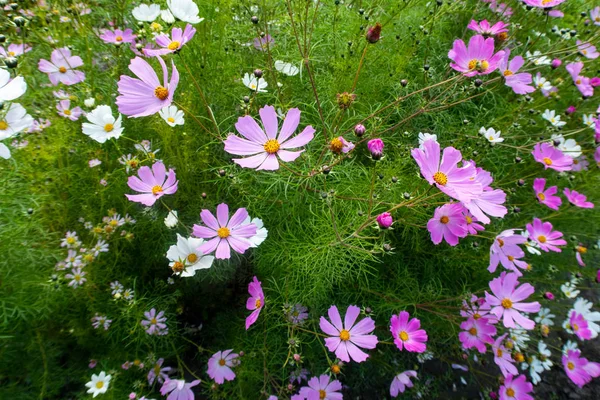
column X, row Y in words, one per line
column 154, row 324
column 476, row 59
column 582, row 83
column 158, row 372
column 152, row 184
column 502, row 357
column 476, row 333
column 255, row 302
column 486, row 29
column 456, row 182
column 519, row 82
column 543, row 3
column 546, row 197
column 401, row 382
column 61, row 66
column 448, row 223
column 321, row 388
column 118, row 36
column 595, row 15
column 551, row 157
column 544, row 236
column 577, row 199
column 65, row 110
column 579, row 369
column 516, row 388
column 347, row 338
column 505, row 250
column 178, row 389
column 580, row 326
column 471, row 223
column 490, row 201
column 224, row 232
column 587, row 50
column 268, row 144
column 146, row 95
column 173, row 43
column 220, row 364
column 506, row 301
column 407, row 333
column 14, row 50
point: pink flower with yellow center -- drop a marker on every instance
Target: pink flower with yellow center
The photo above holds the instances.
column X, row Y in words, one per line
column 476, row 59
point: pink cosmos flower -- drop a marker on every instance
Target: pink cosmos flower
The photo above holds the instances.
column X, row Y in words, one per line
column 582, row 83
column 158, row 372
column 478, row 309
column 484, row 28
column 224, row 232
column 587, row 50
column 264, row 43
column 543, row 3
column 476, row 333
column 255, row 302
column 489, row 201
column 401, row 382
column 146, row 95
column 321, row 389
column 477, row 59
column 220, row 364
column 340, row 145
column 580, row 326
column 178, row 389
column 551, row 157
column 543, row 235
column 154, row 324
column 152, row 183
column 546, row 197
column 446, row 175
column 577, row 199
column 385, row 220
column 171, row 44
column 502, row 357
column 347, row 338
column 14, row 50
column 61, row 67
column 579, row 369
column 448, row 223
column 516, row 388
column 520, row 83
column 265, row 146
column 506, row 301
column 407, row 333
column 579, row 250
column 506, row 250
column 65, row 110
column 471, row 223
column 595, row 15
column 118, row 36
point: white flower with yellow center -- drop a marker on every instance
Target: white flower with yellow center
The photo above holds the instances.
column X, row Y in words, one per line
column 145, row 12
column 13, row 122
column 491, row 135
column 172, row 115
column 103, row 125
column 567, row 146
column 261, row 231
column 185, row 10
column 98, row 384
column 185, row 258
column 254, row 83
column 11, row 89
column 550, row 116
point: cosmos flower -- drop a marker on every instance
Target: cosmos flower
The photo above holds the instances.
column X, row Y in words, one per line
column 491, row 135
column 568, row 146
column 173, row 43
column 375, row 147
column 579, row 369
column 550, row 116
column 384, row 220
column 580, row 326
column 401, row 382
column 185, row 10
column 152, row 184
column 98, row 384
column 476, row 333
column 321, row 388
column 407, row 333
column 346, row 339
column 254, row 83
column 178, row 389
column 502, row 357
column 65, row 110
column 448, row 223
column 158, row 372
column 587, row 50
column 185, row 258
column 490, row 201
column 595, row 15
column 286, row 68
column 154, row 324
column 263, row 43
column 551, row 157
column 543, row 3
column 544, row 236
column 118, row 36
column 546, row 197
column 172, row 115
column 220, row 364
column 516, row 388
column 269, row 145
column 61, row 67
column 340, row 145
column 519, row 82
column 146, row 13
column 11, row 89
column 476, row 59
column 581, row 82
column 506, row 301
column 484, row 28
column 577, row 199
column 15, row 121
column 146, row 95
column 102, row 125
column 471, row 223
column 77, row 277
column 14, row 50
column 255, row 302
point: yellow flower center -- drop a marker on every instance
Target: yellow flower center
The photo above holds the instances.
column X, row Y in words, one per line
column 479, row 65
column 510, row 392
column 336, row 145
column 70, row 240
column 77, row 277
column 119, row 39
column 510, row 258
column 3, row 125
column 335, row 369
column 192, row 258
column 253, row 86
column 257, row 303
column 444, row 220
column 222, row 362
column 518, row 357
column 156, row 189
column 581, row 249
column 161, row 92
column 499, row 352
column 223, row 232
column 11, row 53
column 403, row 336
column 547, row 161
column 570, row 365
column 155, row 26
column 100, row 384
column 271, row 146
column 108, row 127
column 62, row 70
column 173, row 46
column 153, row 321
column 171, row 120
column 473, row 331
column 502, row 36
column 507, row 72
column 542, row 239
column 440, row 178
column 177, row 267
column 344, row 335
column 469, row 220
column 541, row 196
column 476, row 316
column 67, row 112
column 575, row 327
column 322, row 394
column 507, row 303
column 584, row 52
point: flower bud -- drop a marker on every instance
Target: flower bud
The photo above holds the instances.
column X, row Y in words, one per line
column 89, row 102
column 570, row 110
column 556, row 63
column 359, row 130
column 549, row 296
column 595, row 81
column 376, row 148
column 258, row 73
column 374, row 33
column 385, row 220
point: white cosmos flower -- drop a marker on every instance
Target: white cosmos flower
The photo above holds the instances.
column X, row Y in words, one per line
column 186, row 252
column 145, row 12
column 541, row 83
column 172, row 115
column 167, row 16
column 537, row 58
column 11, row 89
column 15, row 120
column 89, row 102
column 519, row 337
column 103, row 125
column 569, row 290
column 254, row 83
column 491, row 135
column 570, row 345
column 550, row 116
column 544, row 317
column 535, row 368
column 286, row 68
column 544, row 355
column 171, row 219
column 98, row 384
column 423, row 137
column 261, row 231
column 567, row 146
column 589, row 120
column 185, row 10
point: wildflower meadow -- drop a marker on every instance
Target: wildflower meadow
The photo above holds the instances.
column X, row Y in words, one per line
column 299, row 199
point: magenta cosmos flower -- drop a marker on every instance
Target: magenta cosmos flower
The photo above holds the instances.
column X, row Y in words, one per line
column 577, row 199
column 484, row 28
column 152, row 184
column 448, row 223
column 502, row 357
column 582, row 83
column 446, row 175
column 225, row 233
column 146, row 95
column 347, row 338
column 506, row 301
column 476, row 333
column 321, row 388
column 519, row 82
column 476, row 59
column 266, row 145
column 61, row 66
column 546, row 197
column 544, row 236
column 516, row 388
column 543, row 3
column 551, row 157
column 255, row 302
column 579, row 369
column 118, row 36
column 580, row 326
column 407, row 333
column 178, row 389
column 506, row 250
column 401, row 382
column 220, row 364
column 173, row 43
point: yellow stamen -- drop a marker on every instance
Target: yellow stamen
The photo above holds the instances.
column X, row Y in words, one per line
column 161, row 92
column 344, row 335
column 257, row 303
column 510, row 392
column 547, row 161
column 100, row 384
column 108, row 127
column 192, row 258
column 506, row 303
column 223, row 232
column 541, row 196
column 542, row 239
column 62, row 70
column 403, row 336
column 3, row 125
column 156, row 189
column 119, row 39
column 173, row 46
column 444, row 220
column 271, row 146
column 440, row 178
column 473, row 331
